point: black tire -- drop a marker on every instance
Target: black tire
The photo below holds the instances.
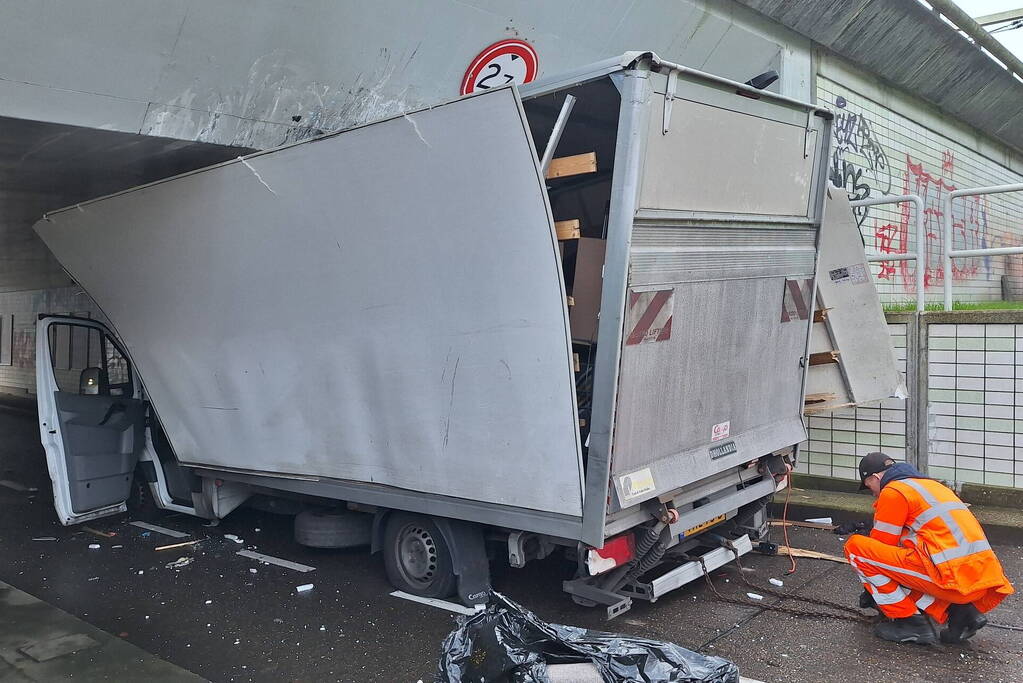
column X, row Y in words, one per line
column 416, row 556
column 333, row 528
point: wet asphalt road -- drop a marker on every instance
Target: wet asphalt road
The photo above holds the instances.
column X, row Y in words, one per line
column 218, row 619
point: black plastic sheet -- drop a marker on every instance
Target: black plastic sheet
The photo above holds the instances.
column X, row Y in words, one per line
column 508, row 643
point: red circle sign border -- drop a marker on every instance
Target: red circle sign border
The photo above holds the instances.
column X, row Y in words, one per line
column 512, row 46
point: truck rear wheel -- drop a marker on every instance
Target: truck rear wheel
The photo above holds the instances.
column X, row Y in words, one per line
column 416, row 556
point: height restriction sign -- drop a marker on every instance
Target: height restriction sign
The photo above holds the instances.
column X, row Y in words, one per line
column 504, row 62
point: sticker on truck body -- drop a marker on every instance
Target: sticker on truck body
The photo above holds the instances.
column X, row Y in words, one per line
column 637, row 483
column 648, row 319
column 721, row 430
column 848, row 275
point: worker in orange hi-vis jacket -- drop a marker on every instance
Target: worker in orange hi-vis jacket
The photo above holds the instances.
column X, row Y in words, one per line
column 926, row 556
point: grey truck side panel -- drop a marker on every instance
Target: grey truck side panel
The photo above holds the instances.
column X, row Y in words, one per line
column 384, row 305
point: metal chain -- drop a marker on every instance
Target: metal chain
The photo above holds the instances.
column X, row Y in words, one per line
column 855, row 616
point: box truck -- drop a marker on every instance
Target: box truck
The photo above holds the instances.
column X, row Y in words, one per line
column 427, row 320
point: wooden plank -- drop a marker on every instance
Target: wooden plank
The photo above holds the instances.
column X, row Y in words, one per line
column 812, row 554
column 575, row 362
column 177, row 545
column 826, row 407
column 568, row 230
column 820, row 315
column 577, row 164
column 819, row 398
column 808, row 525
column 824, row 357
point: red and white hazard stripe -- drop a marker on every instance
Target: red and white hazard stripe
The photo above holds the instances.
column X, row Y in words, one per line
column 650, row 316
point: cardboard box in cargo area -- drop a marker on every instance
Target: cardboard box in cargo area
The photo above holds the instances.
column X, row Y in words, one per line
column 586, row 290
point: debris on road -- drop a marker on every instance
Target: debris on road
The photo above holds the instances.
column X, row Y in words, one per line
column 177, row 545
column 435, row 602
column 820, row 520
column 232, row 537
column 270, row 559
column 303, row 588
column 97, row 532
column 15, row 486
column 754, row 596
column 94, row 546
column 116, row 546
column 45, row 538
column 805, row 525
column 209, row 602
column 812, row 554
column 160, row 529
column 180, row 562
column 507, row 637
column 777, row 582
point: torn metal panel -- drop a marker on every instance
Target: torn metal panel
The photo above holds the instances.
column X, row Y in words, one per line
column 854, row 324
column 383, row 305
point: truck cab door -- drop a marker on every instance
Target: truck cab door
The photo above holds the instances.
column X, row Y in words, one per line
column 91, row 419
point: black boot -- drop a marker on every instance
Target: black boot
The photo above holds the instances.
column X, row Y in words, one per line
column 915, row 629
column 963, row 623
column 867, row 600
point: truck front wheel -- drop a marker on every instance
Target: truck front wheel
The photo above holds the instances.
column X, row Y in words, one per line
column 417, row 557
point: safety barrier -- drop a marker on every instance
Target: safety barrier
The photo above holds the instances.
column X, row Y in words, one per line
column 921, row 243
column 951, row 253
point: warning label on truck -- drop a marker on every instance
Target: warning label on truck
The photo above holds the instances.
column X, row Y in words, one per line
column 796, row 300
column 636, row 484
column 649, row 317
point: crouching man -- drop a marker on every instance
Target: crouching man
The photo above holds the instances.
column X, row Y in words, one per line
column 926, row 556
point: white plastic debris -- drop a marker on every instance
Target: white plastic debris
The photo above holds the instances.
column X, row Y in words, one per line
column 253, row 570
column 323, row 628
column 45, row 538
column 141, row 572
column 180, row 562
column 303, row 588
column 755, row 596
column 258, row 529
column 117, row 546
column 820, row 520
column 209, row 602
column 232, row 537
column 94, row 546
column 777, row 582
column 93, row 578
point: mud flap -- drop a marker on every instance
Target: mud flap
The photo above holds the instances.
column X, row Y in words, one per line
column 468, row 559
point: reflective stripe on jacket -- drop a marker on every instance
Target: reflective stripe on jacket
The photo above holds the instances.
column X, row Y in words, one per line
column 927, row 515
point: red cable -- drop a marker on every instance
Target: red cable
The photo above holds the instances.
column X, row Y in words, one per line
column 784, row 522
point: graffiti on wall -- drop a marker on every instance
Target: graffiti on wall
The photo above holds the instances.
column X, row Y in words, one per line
column 969, row 228
column 858, row 161
column 861, row 165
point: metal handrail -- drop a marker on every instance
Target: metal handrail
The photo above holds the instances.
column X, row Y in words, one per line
column 921, row 243
column 951, row 253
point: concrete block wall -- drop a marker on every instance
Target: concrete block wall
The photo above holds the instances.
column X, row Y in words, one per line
column 18, row 314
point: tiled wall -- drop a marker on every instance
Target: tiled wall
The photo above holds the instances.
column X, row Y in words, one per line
column 839, row 439
column 18, row 314
column 975, row 395
column 973, row 431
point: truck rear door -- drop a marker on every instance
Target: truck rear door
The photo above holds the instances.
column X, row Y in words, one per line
column 719, row 286
column 91, row 421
